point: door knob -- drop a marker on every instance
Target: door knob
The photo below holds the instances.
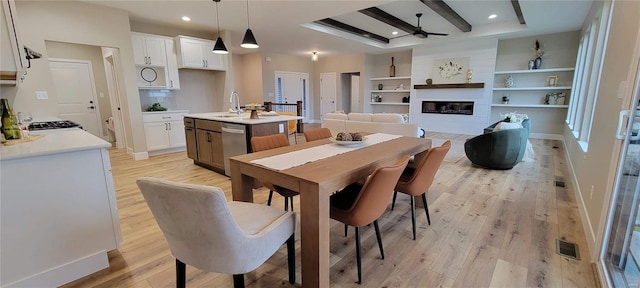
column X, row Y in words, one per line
column 92, row 107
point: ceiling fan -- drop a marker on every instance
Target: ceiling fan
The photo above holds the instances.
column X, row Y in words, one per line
column 418, row 32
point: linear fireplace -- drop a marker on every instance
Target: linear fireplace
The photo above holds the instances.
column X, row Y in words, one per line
column 448, row 107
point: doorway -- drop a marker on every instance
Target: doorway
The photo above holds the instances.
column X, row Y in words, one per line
column 292, row 87
column 327, row 93
column 116, row 121
column 74, row 84
column 349, row 92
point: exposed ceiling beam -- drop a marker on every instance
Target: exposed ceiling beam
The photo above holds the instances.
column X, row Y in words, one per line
column 328, row 22
column 447, row 13
column 378, row 14
column 516, row 8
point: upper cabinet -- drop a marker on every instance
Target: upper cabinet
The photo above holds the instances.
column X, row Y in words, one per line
column 13, row 63
column 149, row 50
column 156, row 62
column 197, row 53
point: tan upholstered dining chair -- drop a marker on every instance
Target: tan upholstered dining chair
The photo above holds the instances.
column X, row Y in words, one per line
column 261, row 143
column 211, row 234
column 317, row 134
column 361, row 204
column 416, row 181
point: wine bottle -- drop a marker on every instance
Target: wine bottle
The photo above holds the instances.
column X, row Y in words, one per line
column 392, row 69
column 10, row 127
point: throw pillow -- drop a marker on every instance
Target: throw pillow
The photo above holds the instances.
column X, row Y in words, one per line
column 506, row 126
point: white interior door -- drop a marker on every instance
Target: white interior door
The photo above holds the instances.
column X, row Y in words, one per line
column 327, row 93
column 75, row 92
column 355, row 94
column 111, row 67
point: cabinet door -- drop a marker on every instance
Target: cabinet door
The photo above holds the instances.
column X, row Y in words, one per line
column 191, row 53
column 157, row 135
column 173, row 79
column 212, row 61
column 205, row 152
column 156, row 54
column 216, row 146
column 190, row 136
column 176, row 134
column 139, row 50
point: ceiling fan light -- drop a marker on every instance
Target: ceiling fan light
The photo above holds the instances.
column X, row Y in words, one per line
column 219, row 47
column 249, row 41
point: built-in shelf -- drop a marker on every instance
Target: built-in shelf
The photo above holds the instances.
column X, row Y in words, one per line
column 536, row 71
column 532, row 88
column 390, row 91
column 390, row 103
column 530, row 105
column 449, row 86
column 391, row 78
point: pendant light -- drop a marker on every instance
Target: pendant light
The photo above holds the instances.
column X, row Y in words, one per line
column 249, row 41
column 314, row 56
column 219, row 47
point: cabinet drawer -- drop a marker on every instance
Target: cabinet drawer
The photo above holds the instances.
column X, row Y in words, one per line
column 162, row 116
column 189, row 122
column 208, row 125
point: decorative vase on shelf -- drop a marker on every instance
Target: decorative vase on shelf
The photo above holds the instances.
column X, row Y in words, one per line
column 532, row 64
column 538, row 63
column 429, row 81
column 469, row 75
column 380, row 86
column 508, row 82
column 505, row 99
column 392, row 69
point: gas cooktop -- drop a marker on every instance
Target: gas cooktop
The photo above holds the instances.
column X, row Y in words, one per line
column 48, row 125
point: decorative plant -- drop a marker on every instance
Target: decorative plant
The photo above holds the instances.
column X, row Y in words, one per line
column 538, row 52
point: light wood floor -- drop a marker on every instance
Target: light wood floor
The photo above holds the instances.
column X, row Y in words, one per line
column 489, row 228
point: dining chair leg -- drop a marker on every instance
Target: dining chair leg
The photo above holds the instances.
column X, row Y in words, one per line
column 393, row 203
column 291, row 200
column 181, row 274
column 291, row 257
column 375, row 224
column 270, row 196
column 358, row 256
column 413, row 217
column 426, row 208
column 345, row 230
column 286, row 203
column 238, row 280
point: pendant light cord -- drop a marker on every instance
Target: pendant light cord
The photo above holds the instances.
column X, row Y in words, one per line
column 248, row 14
column 217, row 18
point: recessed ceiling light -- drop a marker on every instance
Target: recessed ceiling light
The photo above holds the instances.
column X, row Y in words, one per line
column 493, row 16
column 394, row 33
column 186, row 18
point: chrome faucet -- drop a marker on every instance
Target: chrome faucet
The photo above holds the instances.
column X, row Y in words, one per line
column 234, row 94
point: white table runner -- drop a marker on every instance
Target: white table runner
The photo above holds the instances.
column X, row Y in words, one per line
column 297, row 158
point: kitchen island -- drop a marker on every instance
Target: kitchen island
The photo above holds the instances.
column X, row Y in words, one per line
column 214, row 137
column 58, row 209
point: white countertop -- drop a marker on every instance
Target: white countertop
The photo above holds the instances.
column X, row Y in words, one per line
column 242, row 119
column 53, row 142
column 167, row 111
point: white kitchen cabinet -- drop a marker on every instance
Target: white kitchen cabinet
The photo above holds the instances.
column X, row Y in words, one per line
column 12, row 63
column 164, row 130
column 173, row 79
column 149, row 50
column 197, row 54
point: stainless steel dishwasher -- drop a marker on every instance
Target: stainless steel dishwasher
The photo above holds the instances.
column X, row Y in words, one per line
column 234, row 142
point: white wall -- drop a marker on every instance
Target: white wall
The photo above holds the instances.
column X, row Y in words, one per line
column 81, row 23
column 482, row 54
column 593, row 167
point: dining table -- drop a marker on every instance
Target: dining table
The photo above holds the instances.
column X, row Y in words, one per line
column 317, row 169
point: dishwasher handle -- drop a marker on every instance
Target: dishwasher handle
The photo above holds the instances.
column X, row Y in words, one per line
column 232, row 130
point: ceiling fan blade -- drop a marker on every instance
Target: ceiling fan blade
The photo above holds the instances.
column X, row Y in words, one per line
column 437, row 34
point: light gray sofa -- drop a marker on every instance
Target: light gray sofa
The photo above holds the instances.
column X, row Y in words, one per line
column 369, row 122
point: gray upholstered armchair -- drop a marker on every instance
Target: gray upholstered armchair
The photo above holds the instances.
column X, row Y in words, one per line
column 501, row 149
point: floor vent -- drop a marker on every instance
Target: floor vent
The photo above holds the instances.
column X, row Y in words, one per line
column 567, row 249
column 560, row 184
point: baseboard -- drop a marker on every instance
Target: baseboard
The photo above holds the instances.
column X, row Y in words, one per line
column 586, row 223
column 546, row 136
column 65, row 273
column 137, row 156
column 165, row 151
column 601, row 279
